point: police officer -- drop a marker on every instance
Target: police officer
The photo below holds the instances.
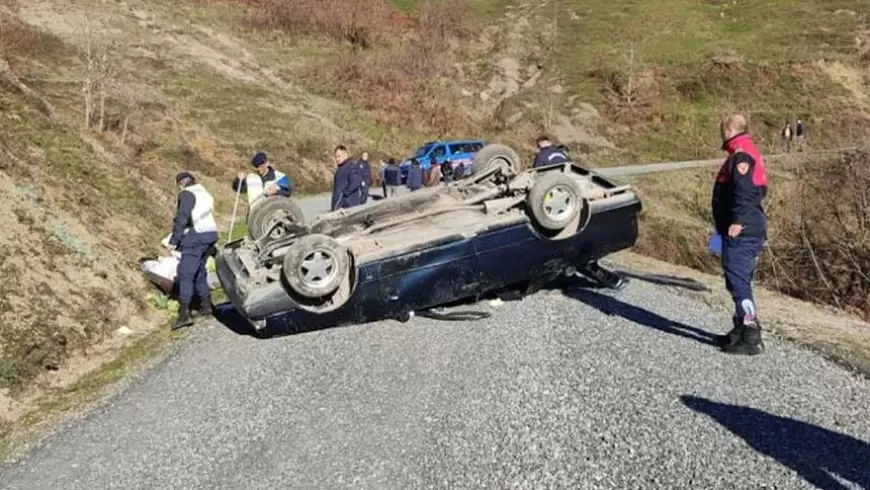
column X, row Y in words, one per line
column 347, row 180
column 392, row 178
column 740, row 188
column 414, row 181
column 266, row 181
column 194, row 233
column 548, row 154
column 365, row 170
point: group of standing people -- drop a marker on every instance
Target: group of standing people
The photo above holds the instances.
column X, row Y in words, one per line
column 790, row 136
column 738, row 215
column 417, row 178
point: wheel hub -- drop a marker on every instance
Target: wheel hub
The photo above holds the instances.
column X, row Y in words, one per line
column 559, row 203
column 317, row 268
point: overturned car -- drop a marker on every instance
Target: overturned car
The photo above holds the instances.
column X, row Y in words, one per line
column 498, row 229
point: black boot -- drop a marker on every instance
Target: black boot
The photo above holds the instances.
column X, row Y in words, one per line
column 183, row 319
column 750, row 343
column 205, row 310
column 731, row 337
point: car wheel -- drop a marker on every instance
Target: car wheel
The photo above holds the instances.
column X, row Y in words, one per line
column 267, row 211
column 555, row 200
column 315, row 266
column 495, row 155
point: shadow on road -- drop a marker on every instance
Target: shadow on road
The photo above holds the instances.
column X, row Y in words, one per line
column 577, row 287
column 667, row 280
column 612, row 306
column 816, row 454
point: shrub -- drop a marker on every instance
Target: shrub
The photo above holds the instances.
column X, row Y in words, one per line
column 822, row 251
column 392, row 61
column 359, row 22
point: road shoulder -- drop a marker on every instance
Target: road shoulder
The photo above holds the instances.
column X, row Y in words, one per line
column 832, row 333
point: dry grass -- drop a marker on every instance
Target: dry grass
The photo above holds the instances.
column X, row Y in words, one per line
column 819, row 240
column 387, row 61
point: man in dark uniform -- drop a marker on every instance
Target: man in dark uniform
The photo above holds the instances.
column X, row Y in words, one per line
column 194, row 233
column 414, row 180
column 347, row 181
column 447, row 171
column 548, row 154
column 392, row 178
column 739, row 217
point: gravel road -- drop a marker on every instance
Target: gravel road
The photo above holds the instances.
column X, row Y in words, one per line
column 572, row 389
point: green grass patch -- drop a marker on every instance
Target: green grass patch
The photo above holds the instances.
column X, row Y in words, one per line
column 68, row 160
column 488, row 8
column 688, row 62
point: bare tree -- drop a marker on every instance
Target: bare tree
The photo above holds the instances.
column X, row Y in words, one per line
column 88, row 85
column 99, row 74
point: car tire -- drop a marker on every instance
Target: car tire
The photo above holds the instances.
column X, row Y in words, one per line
column 315, row 266
column 555, row 200
column 495, row 155
column 270, row 209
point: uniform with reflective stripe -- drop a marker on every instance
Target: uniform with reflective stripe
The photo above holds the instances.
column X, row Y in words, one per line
column 194, row 232
column 255, row 184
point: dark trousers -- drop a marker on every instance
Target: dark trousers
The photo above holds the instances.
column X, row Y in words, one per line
column 363, row 194
column 192, row 274
column 739, row 257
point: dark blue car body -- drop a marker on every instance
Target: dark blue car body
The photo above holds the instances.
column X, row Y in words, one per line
column 451, row 269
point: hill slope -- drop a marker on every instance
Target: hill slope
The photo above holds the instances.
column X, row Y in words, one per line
column 202, row 84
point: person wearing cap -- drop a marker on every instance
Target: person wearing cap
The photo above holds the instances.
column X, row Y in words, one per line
column 548, row 153
column 266, row 181
column 194, row 233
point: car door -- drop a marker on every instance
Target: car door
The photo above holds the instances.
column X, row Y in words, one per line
column 514, row 254
column 442, row 272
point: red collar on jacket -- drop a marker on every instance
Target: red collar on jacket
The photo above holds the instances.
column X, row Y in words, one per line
column 737, row 142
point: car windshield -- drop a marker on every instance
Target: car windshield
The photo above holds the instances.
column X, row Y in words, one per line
column 422, row 151
column 469, row 147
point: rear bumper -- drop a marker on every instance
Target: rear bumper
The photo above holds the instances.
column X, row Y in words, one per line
column 254, row 302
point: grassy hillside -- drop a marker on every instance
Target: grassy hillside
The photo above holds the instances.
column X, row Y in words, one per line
column 203, row 84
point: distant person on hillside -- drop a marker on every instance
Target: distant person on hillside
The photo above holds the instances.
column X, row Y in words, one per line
column 787, row 136
column 346, row 182
column 548, row 154
column 392, row 178
column 415, row 176
column 800, row 133
column 739, row 217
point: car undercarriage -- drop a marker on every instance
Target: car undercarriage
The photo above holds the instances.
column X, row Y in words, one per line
column 318, row 267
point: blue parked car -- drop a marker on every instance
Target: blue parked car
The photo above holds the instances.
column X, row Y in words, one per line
column 455, row 151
